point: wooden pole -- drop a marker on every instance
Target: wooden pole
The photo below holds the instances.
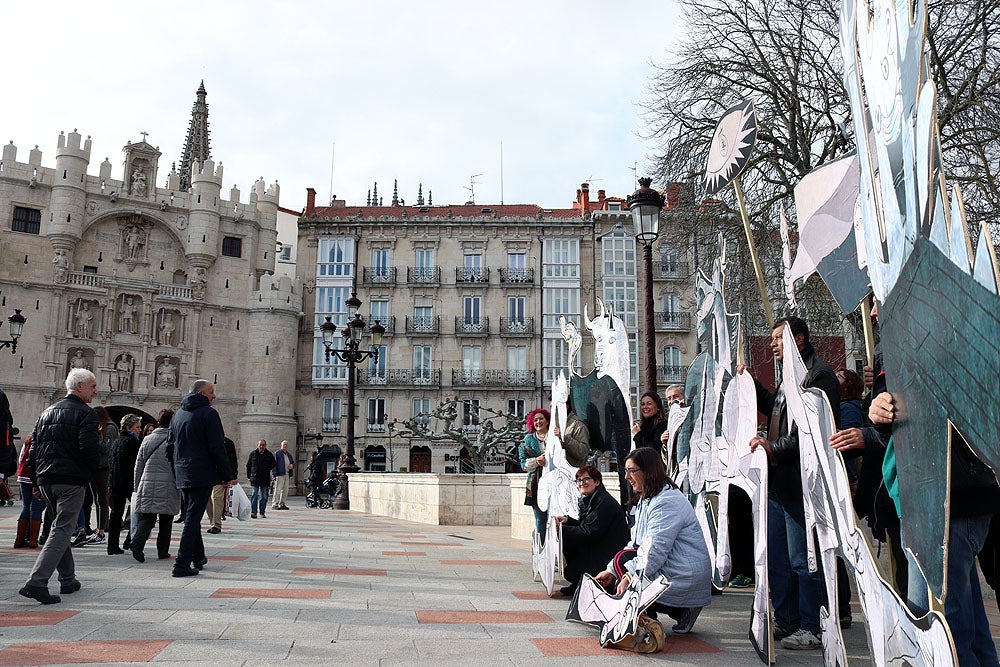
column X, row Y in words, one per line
column 753, row 253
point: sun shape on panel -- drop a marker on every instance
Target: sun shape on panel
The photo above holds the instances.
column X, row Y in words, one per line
column 731, row 146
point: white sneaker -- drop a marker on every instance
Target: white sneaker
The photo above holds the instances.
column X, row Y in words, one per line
column 801, row 640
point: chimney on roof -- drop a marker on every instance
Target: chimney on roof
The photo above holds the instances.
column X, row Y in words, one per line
column 674, row 193
column 584, row 195
column 600, row 195
column 310, row 201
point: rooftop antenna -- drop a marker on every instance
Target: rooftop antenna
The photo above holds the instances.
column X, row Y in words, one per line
column 501, row 172
column 590, row 180
column 333, row 154
column 635, row 179
column 472, row 188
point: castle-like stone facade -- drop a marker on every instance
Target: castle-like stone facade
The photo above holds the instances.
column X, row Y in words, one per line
column 150, row 287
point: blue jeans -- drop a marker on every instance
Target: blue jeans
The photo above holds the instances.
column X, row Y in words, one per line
column 796, row 593
column 963, row 605
column 31, row 507
column 259, row 493
column 192, row 548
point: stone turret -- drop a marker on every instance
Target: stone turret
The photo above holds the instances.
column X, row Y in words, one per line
column 274, row 308
column 204, row 218
column 267, row 216
column 69, row 192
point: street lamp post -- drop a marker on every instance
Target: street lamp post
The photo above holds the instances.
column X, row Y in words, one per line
column 17, row 321
column 645, row 205
column 350, row 354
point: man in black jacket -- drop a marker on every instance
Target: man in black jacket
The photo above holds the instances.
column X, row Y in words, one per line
column 199, row 464
column 121, row 483
column 260, row 463
column 796, row 593
column 62, row 461
column 601, row 531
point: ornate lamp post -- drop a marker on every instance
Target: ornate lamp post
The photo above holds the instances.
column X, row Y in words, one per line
column 350, row 354
column 645, row 205
column 17, row 321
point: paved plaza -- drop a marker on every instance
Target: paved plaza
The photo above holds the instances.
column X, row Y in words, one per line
column 311, row 586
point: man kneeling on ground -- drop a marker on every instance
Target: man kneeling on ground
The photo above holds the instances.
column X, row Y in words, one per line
column 599, row 533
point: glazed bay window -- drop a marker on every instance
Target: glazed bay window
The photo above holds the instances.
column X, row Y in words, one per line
column 335, row 257
column 562, row 258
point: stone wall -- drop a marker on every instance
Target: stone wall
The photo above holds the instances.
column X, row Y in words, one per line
column 444, row 500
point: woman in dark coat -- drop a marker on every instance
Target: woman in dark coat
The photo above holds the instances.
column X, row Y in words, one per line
column 601, row 531
column 121, row 480
column 156, row 496
column 653, row 422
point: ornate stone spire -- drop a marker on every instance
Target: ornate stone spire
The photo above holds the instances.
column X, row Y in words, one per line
column 430, row 197
column 395, row 192
column 420, row 194
column 196, row 146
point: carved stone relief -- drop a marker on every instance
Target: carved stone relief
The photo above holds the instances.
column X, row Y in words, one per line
column 60, row 266
column 169, row 326
column 129, row 311
column 124, row 366
column 80, row 358
column 199, row 281
column 166, row 372
column 85, row 314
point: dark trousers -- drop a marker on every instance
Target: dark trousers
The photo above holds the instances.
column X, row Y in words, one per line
column 145, row 527
column 192, row 548
column 118, row 501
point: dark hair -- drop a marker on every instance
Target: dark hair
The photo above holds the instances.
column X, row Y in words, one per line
column 591, row 472
column 102, row 415
column 853, row 386
column 660, row 412
column 529, row 421
column 796, row 324
column 649, row 462
column 163, row 418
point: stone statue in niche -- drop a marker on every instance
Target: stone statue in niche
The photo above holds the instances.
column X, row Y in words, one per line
column 127, row 321
column 123, row 371
column 60, row 266
column 167, row 328
column 84, row 321
column 166, row 374
column 135, row 239
column 138, row 182
column 79, row 360
column 199, row 280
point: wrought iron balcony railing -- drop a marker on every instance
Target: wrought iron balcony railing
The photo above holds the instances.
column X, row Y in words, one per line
column 379, row 275
column 517, row 276
column 470, row 327
column 376, row 428
column 465, row 275
column 671, row 374
column 331, row 426
column 670, row 270
column 524, row 326
column 423, row 325
column 423, row 275
column 672, row 320
column 387, row 321
column 492, row 378
column 401, row 377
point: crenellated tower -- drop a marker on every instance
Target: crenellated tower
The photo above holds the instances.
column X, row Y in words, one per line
column 266, row 200
column 69, row 195
column 204, row 218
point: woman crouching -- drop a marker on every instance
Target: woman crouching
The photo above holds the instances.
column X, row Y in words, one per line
column 667, row 527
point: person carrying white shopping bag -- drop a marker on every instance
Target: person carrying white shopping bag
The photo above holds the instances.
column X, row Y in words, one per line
column 239, row 504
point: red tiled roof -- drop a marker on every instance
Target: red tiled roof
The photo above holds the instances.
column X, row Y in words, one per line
column 459, row 211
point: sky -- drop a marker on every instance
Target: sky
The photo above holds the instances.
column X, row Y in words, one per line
column 422, row 92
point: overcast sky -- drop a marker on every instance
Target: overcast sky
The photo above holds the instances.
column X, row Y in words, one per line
column 419, row 91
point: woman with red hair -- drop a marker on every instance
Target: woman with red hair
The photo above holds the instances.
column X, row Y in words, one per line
column 531, row 452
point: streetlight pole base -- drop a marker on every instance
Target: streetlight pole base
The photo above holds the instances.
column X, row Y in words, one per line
column 342, row 501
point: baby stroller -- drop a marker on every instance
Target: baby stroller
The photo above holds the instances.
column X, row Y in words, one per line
column 322, row 489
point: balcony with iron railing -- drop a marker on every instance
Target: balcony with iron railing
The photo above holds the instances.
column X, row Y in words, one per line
column 378, row 275
column 670, row 270
column 331, row 426
column 465, row 275
column 423, row 275
column 671, row 374
column 517, row 276
column 388, row 322
column 376, row 428
column 492, row 378
column 517, row 326
column 472, row 327
column 672, row 320
column 401, row 377
column 418, row 326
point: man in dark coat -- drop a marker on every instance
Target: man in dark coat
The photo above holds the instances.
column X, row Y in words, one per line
column 796, row 593
column 601, row 531
column 260, row 464
column 63, row 459
column 121, row 471
column 200, row 463
column 217, row 504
